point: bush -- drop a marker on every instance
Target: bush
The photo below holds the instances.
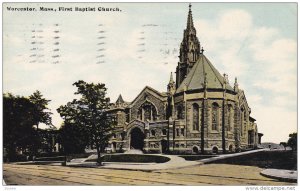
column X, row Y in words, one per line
column 132, row 158
column 196, row 157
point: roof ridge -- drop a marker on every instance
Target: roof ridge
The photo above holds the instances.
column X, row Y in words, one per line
column 156, row 91
column 195, row 69
column 203, row 67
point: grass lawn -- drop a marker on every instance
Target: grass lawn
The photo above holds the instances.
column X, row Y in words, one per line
column 266, row 159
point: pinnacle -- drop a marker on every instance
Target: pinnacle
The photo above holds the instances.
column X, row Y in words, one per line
column 171, row 79
column 190, row 23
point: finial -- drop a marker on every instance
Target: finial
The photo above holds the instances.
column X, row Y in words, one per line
column 171, row 78
column 190, row 23
column 236, row 85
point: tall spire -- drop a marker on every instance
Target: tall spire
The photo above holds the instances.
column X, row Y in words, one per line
column 190, row 23
column 189, row 50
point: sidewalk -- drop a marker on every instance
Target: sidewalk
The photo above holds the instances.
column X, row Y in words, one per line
column 174, row 162
column 225, row 156
column 280, row 174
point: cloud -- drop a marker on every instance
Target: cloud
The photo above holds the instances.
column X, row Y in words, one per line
column 265, row 63
column 275, row 122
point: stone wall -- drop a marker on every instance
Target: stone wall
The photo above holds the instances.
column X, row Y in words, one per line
column 158, row 104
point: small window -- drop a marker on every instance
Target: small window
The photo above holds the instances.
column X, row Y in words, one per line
column 177, row 132
column 177, row 145
column 114, row 135
column 182, row 132
column 152, row 133
column 182, row 145
column 164, row 132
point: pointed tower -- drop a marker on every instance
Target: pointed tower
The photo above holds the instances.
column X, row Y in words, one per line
column 171, row 86
column 171, row 91
column 119, row 101
column 189, row 50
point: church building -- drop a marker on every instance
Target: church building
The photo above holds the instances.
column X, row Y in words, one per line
column 200, row 112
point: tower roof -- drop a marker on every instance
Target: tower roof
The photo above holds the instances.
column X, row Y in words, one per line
column 120, row 100
column 196, row 77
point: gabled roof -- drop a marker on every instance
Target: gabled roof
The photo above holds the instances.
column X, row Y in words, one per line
column 160, row 95
column 195, row 78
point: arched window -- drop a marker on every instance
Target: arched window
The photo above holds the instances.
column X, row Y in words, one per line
column 179, row 112
column 164, row 132
column 215, row 116
column 242, row 120
column 147, row 111
column 195, row 117
column 229, row 117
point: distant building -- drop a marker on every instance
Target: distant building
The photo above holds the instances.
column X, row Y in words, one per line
column 200, row 112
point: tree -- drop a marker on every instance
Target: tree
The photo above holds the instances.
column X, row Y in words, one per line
column 74, row 138
column 41, row 113
column 292, row 142
column 18, row 132
column 284, row 144
column 89, row 111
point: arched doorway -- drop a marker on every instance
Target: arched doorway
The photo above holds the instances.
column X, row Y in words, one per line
column 195, row 149
column 137, row 139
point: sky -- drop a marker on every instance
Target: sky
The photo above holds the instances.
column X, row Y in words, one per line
column 138, row 46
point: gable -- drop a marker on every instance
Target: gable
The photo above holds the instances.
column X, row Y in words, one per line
column 148, row 91
column 151, row 96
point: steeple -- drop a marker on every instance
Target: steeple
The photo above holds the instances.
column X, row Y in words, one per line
column 190, row 23
column 189, row 50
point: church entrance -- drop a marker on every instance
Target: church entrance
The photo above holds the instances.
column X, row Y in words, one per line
column 137, row 139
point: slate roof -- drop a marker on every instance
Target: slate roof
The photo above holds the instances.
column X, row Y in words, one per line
column 195, row 78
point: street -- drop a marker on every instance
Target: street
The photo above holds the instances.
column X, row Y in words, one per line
column 209, row 174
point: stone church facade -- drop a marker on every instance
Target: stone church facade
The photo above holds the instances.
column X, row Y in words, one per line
column 200, row 112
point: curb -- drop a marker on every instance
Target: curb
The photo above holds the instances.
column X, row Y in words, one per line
column 272, row 173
